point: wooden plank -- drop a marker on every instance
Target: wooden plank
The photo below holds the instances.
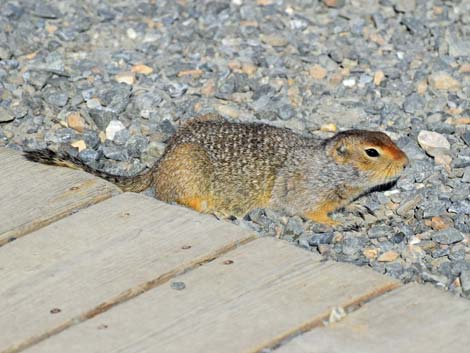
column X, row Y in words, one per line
column 248, row 299
column 33, row 195
column 412, row 319
column 84, row 264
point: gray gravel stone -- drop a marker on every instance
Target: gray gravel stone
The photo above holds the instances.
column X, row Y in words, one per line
column 286, row 112
column 177, row 90
column 45, row 10
column 88, row 155
column 433, row 207
column 466, row 175
column 458, row 46
column 448, row 236
column 37, row 78
column 136, row 145
column 379, row 231
column 102, row 117
column 462, row 223
column 462, row 162
column 413, row 151
column 322, row 238
column 5, row 115
column 91, row 138
column 352, row 245
column 398, row 238
column 178, row 285
column 116, row 153
column 54, row 63
column 121, row 137
column 466, row 137
column 465, row 282
column 414, row 103
column 67, row 34
column 61, row 136
column 405, row 5
column 414, row 26
column 434, row 278
column 58, row 99
column 409, row 205
column 460, row 207
column 294, row 226
column 394, row 269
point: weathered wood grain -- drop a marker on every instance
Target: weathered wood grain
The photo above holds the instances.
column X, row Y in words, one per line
column 412, row 319
column 33, row 195
column 84, row 264
column 250, row 298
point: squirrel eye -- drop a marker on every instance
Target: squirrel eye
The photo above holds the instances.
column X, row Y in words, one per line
column 372, row 152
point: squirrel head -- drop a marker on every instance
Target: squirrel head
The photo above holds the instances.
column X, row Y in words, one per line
column 372, row 153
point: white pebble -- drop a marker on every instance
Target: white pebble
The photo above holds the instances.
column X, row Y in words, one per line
column 433, row 142
column 289, row 10
column 414, row 240
column 336, row 314
column 113, row 127
column 131, row 33
column 349, row 82
column 93, row 103
column 390, row 193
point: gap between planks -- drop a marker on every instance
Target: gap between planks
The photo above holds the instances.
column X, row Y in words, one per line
column 349, row 307
column 126, row 245
column 35, row 195
column 322, row 321
column 218, row 285
column 132, row 293
column 27, row 228
column 414, row 318
column 126, row 296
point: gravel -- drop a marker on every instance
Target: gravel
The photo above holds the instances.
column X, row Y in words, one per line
column 448, row 236
column 116, row 79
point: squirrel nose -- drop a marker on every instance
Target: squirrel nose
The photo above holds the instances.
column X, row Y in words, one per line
column 405, row 161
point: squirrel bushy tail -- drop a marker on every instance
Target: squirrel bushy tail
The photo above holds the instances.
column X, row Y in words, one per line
column 135, row 183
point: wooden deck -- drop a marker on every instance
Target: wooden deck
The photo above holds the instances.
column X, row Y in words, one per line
column 86, row 268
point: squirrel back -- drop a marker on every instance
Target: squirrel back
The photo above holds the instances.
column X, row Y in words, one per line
column 231, row 168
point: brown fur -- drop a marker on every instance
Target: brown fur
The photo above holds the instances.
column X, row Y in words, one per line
column 215, row 166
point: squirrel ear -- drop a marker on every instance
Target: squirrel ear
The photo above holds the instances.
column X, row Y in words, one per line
column 340, row 152
column 341, row 149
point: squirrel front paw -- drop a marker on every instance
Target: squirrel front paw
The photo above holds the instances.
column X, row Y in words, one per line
column 221, row 215
column 359, row 210
column 322, row 218
column 343, row 224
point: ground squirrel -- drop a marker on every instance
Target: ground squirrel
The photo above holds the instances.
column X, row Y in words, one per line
column 216, row 166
